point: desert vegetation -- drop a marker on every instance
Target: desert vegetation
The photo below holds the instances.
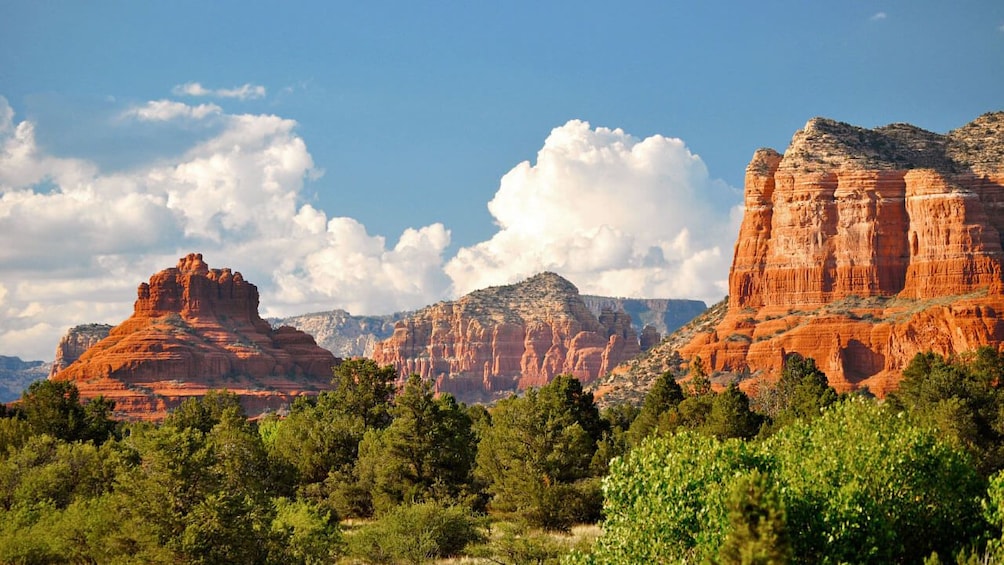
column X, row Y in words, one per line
column 371, row 472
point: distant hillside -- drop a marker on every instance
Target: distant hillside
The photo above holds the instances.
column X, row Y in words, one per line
column 499, row 340
column 666, row 315
column 342, row 333
column 16, row 375
column 630, row 381
column 347, row 335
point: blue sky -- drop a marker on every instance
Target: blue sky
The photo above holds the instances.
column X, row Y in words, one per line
column 384, row 155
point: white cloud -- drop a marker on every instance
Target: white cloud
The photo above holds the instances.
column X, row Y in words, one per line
column 878, row 16
column 245, row 92
column 615, row 214
column 78, row 247
column 167, row 110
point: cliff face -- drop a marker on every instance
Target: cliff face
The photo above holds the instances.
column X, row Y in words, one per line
column 342, row 333
column 76, row 341
column 860, row 248
column 194, row 329
column 498, row 340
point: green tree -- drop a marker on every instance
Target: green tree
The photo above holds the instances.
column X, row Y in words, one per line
column 54, row 408
column 700, row 384
column 617, row 421
column 665, row 501
column 730, row 416
column 318, row 438
column 535, row 458
column 202, row 413
column 427, row 452
column 758, row 529
column 962, row 398
column 665, row 396
column 304, row 534
column 197, row 495
column 364, row 389
column 862, row 485
column 802, row 393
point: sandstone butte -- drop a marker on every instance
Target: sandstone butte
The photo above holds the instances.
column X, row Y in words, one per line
column 860, row 248
column 194, row 329
column 498, row 340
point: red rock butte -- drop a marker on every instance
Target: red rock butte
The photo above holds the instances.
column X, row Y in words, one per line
column 194, row 329
column 498, row 340
column 860, row 248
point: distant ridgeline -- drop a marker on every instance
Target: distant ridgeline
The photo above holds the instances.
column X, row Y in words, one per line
column 347, row 335
column 499, row 340
column 16, row 375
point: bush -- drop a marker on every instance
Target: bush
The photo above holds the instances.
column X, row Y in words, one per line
column 860, row 484
column 416, row 534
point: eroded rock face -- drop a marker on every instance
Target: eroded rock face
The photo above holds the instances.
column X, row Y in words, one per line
column 502, row 339
column 342, row 333
column 194, row 329
column 77, row 340
column 860, row 248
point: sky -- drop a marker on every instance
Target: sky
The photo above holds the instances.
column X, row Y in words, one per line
column 381, row 156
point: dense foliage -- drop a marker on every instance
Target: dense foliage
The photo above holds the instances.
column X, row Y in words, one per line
column 382, row 471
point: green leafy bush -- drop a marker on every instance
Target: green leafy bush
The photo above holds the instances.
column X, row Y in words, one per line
column 415, row 534
column 860, row 484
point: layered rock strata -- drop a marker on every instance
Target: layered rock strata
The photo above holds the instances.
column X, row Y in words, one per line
column 495, row 341
column 860, row 248
column 194, row 329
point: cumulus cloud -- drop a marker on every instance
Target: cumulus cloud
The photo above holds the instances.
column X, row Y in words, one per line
column 878, row 16
column 614, row 214
column 244, row 92
column 75, row 240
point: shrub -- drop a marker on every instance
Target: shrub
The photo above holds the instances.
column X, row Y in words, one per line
column 415, row 534
column 860, row 484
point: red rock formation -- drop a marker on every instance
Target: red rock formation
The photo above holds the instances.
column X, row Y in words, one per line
column 860, row 248
column 498, row 340
column 194, row 329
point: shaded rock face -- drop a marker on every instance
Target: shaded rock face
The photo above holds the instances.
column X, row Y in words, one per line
column 76, row 341
column 194, row 329
column 495, row 341
column 860, row 248
column 344, row 334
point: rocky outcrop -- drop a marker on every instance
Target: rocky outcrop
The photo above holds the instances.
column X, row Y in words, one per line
column 344, row 334
column 194, row 329
column 495, row 341
column 16, row 375
column 860, row 248
column 662, row 315
column 76, row 341
column 348, row 335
